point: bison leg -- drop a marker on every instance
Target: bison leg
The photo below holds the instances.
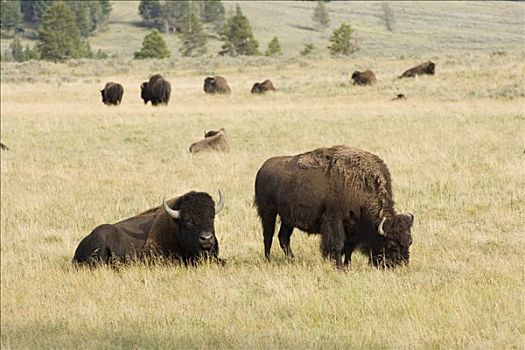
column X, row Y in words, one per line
column 268, row 223
column 348, row 250
column 285, row 232
column 333, row 239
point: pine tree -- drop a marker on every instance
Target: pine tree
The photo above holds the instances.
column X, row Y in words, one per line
column 320, row 15
column 17, row 50
column 213, row 13
column 193, row 38
column 237, row 36
column 59, row 34
column 173, row 13
column 33, row 10
column 342, row 42
column 388, row 16
column 153, row 46
column 308, row 48
column 150, row 11
column 10, row 15
column 274, row 48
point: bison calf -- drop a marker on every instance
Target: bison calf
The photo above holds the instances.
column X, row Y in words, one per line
column 112, row 93
column 262, row 88
column 216, row 85
column 364, row 78
column 213, row 141
column 343, row 193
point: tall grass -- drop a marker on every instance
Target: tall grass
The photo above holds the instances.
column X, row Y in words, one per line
column 454, row 147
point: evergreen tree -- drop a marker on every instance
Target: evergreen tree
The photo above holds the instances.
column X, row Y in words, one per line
column 193, row 38
column 308, row 48
column 320, row 15
column 213, row 13
column 17, row 50
column 59, row 34
column 30, row 54
column 153, row 46
column 342, row 42
column 274, row 48
column 10, row 15
column 33, row 10
column 237, row 36
column 388, row 16
column 149, row 10
column 173, row 13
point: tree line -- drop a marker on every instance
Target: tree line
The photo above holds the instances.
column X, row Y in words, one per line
column 63, row 28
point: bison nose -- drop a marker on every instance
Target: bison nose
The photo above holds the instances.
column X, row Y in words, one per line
column 205, row 237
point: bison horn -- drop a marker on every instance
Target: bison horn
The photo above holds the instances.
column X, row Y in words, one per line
column 380, row 227
column 220, row 205
column 411, row 217
column 173, row 213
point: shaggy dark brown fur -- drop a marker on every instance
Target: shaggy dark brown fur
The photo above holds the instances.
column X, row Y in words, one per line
column 112, row 94
column 216, row 85
column 155, row 233
column 364, row 78
column 399, row 97
column 427, row 67
column 213, row 141
column 262, row 88
column 157, row 90
column 326, row 191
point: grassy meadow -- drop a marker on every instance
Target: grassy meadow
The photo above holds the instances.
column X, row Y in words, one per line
column 455, row 148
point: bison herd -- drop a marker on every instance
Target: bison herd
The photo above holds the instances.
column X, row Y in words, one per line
column 342, row 193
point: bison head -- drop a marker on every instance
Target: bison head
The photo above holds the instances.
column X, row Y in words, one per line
column 356, row 75
column 209, row 84
column 256, row 88
column 394, row 241
column 103, row 96
column 144, row 92
column 195, row 216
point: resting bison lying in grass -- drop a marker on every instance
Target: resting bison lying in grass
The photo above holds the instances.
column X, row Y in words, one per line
column 364, row 78
column 427, row 67
column 216, row 85
column 262, row 88
column 213, row 141
column 181, row 229
column 112, row 93
column 157, row 90
column 343, row 193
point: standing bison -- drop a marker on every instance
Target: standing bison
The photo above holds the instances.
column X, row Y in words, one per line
column 157, row 90
column 213, row 141
column 112, row 94
column 427, row 67
column 182, row 229
column 364, row 78
column 343, row 193
column 216, row 85
column 262, row 88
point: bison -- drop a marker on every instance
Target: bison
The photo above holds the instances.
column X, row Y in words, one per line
column 213, row 141
column 343, row 193
column 112, row 94
column 364, row 78
column 181, row 229
column 157, row 90
column 216, row 85
column 262, row 88
column 427, row 67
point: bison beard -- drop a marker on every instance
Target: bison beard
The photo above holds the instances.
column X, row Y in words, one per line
column 344, row 194
column 181, row 229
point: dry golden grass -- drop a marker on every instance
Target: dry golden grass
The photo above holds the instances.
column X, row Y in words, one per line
column 454, row 147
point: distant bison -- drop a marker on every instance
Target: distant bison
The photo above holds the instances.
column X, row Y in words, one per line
column 364, row 78
column 427, row 67
column 343, row 193
column 213, row 141
column 4, row 147
column 112, row 93
column 216, row 85
column 181, row 229
column 157, row 90
column 261, row 88
column 399, row 97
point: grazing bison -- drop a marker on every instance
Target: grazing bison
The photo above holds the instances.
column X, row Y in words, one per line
column 399, row 97
column 112, row 93
column 213, row 141
column 364, row 78
column 216, row 85
column 182, row 229
column 343, row 193
column 4, row 147
column 262, row 88
column 427, row 67
column 157, row 90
